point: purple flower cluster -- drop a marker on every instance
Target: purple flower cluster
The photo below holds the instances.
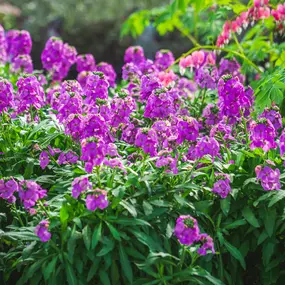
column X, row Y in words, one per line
column 97, row 200
column 234, row 99
column 188, row 129
column 222, row 186
column 207, row 145
column 273, row 115
column 262, row 135
column 30, row 192
column 163, row 59
column 7, row 190
column 44, row 159
column 85, row 62
column 22, row 63
column 58, row 57
column 79, row 185
column 188, row 233
column 41, row 230
column 18, row 43
column 6, row 94
column 147, row 140
column 30, row 93
column 3, row 46
column 269, row 178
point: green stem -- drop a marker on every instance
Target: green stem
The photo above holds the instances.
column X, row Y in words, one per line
column 238, row 44
column 189, row 36
column 182, row 258
column 203, row 100
column 216, row 48
column 18, row 216
column 98, row 176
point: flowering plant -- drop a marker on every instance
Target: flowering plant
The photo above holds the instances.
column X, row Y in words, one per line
column 169, row 176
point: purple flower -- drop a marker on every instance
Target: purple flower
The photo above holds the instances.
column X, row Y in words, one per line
column 96, row 87
column 7, row 190
column 167, row 161
column 270, row 179
column 206, row 77
column 30, row 192
column 147, row 140
column 58, row 57
column 234, row 98
column 122, row 106
column 3, row 46
column 97, row 200
column 148, row 84
column 262, row 135
column 230, row 67
column 206, row 146
column 134, row 54
column 93, row 152
column 41, row 230
column 187, row 230
column 206, row 244
column 6, row 94
column 85, row 62
column 222, row 186
column 108, row 71
column 79, row 185
column 130, row 72
column 115, row 163
column 273, row 115
column 163, row 59
column 22, row 63
column 188, row 129
column 30, row 93
column 19, row 43
column 159, row 104
column 44, row 159
column 210, row 115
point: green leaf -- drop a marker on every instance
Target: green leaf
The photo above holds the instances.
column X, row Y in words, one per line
column 107, row 247
column 86, row 232
column 147, row 207
column 235, row 253
column 104, row 278
column 29, row 249
column 63, row 214
column 129, row 221
column 250, row 217
column 267, row 252
column 93, row 269
column 125, row 264
column 96, row 236
column 269, row 221
column 114, row 232
column 70, row 274
column 199, row 271
column 225, row 205
column 235, row 224
column 130, row 208
column 279, row 195
column 50, row 268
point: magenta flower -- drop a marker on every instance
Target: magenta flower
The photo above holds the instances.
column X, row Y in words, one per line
column 187, row 230
column 79, row 185
column 163, row 59
column 97, row 200
column 206, row 244
column 7, row 190
column 41, row 230
column 44, row 159
column 135, row 55
column 6, row 94
column 30, row 192
column 269, row 178
column 85, row 62
column 222, row 186
column 108, row 71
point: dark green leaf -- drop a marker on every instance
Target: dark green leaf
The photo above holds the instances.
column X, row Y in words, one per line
column 125, row 264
